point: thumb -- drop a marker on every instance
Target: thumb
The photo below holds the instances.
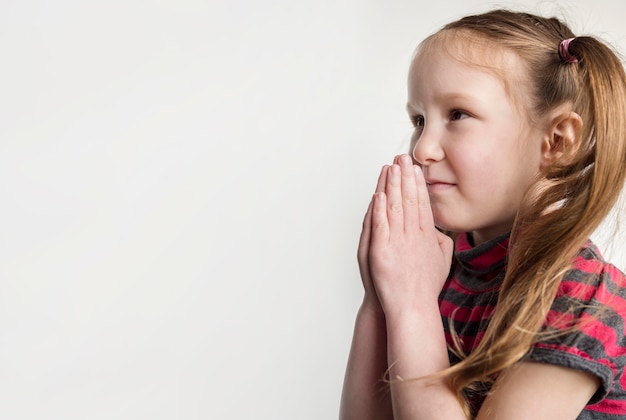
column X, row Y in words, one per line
column 446, row 244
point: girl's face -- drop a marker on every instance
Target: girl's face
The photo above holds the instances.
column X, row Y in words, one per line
column 477, row 149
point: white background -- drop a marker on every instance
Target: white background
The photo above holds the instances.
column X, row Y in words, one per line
column 182, row 185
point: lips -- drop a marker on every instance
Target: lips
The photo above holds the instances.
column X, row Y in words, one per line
column 437, row 182
column 435, row 185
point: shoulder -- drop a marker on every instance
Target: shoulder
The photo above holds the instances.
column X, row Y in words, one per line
column 584, row 329
column 592, row 296
column 593, row 279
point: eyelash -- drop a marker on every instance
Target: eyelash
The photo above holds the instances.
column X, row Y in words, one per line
column 457, row 112
column 455, row 115
column 417, row 120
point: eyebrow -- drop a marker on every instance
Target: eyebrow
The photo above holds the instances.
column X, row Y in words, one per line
column 456, row 95
column 451, row 96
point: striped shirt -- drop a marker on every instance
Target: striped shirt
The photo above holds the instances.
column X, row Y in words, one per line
column 594, row 288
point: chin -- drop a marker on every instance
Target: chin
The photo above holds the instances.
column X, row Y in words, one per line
column 448, row 220
column 444, row 224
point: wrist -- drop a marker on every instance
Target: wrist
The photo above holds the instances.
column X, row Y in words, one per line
column 426, row 311
column 412, row 331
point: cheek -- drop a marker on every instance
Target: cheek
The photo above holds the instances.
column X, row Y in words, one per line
column 474, row 166
column 483, row 176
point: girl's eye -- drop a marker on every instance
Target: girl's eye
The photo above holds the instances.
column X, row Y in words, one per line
column 458, row 115
column 417, row 120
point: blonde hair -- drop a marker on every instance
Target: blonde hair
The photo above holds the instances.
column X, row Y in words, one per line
column 579, row 190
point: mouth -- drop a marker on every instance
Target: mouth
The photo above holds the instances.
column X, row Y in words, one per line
column 436, row 185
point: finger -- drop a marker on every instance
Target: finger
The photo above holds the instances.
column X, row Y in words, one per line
column 409, row 194
column 380, row 224
column 367, row 222
column 382, row 179
column 426, row 220
column 366, row 232
column 446, row 244
column 393, row 195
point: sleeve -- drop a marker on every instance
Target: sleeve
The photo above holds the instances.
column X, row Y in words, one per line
column 584, row 328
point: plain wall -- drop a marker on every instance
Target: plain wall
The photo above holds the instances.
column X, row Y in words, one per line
column 182, row 186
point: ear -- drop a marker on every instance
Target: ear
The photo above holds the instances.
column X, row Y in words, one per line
column 562, row 139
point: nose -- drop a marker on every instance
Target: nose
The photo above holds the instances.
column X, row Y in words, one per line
column 427, row 147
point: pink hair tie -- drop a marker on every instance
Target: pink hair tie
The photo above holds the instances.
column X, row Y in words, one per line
column 564, row 53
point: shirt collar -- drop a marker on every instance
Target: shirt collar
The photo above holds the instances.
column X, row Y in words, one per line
column 484, row 258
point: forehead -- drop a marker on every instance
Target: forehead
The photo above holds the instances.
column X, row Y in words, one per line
column 477, row 52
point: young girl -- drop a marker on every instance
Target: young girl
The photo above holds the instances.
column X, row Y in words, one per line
column 518, row 153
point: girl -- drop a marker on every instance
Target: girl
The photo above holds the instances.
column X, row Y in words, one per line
column 518, row 153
